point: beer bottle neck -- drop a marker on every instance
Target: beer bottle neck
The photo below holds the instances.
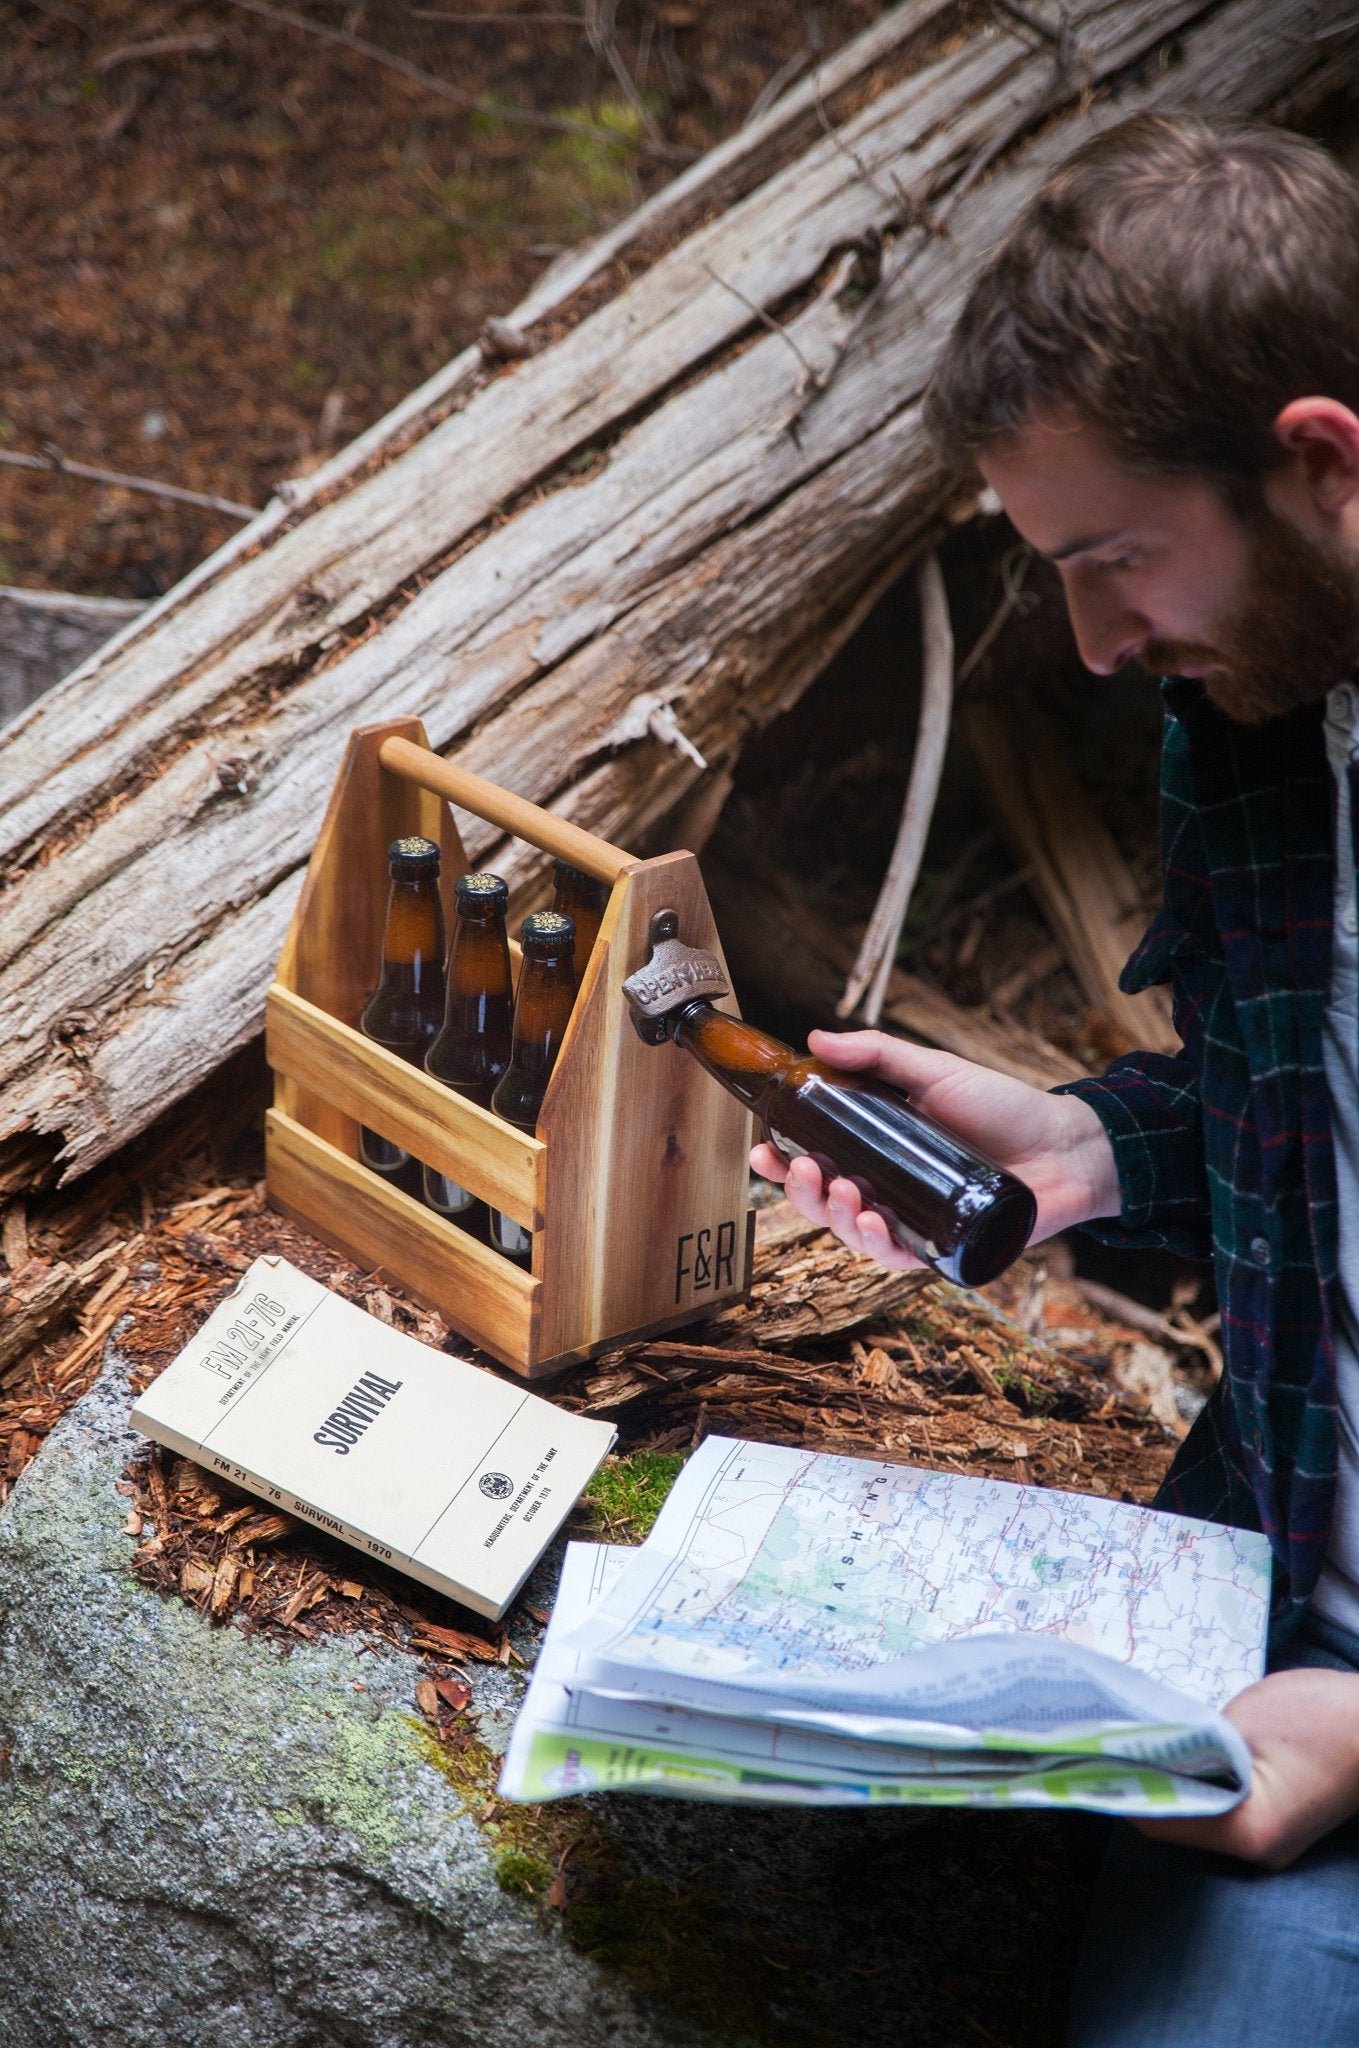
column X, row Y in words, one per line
column 413, row 940
column 478, row 968
column 747, row 1061
column 547, row 988
column 582, row 899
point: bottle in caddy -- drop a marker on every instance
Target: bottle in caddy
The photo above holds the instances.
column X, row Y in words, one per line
column 472, row 1049
column 407, row 1006
column 542, row 1008
column 584, row 900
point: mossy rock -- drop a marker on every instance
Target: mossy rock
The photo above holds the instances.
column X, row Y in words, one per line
column 204, row 1839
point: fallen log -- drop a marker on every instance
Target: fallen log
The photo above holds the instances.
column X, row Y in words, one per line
column 806, row 1285
column 44, row 634
column 30, row 1305
column 1085, row 886
column 654, row 527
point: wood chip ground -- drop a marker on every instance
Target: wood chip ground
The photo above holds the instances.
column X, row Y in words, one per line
column 828, row 1352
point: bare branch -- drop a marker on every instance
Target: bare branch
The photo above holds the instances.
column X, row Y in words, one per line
column 934, row 220
column 765, row 319
column 878, row 949
column 600, row 19
column 1013, row 569
column 474, row 20
column 897, row 196
column 160, row 46
column 456, row 96
column 55, row 464
column 788, row 72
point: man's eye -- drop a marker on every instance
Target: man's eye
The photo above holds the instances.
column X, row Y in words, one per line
column 1122, row 562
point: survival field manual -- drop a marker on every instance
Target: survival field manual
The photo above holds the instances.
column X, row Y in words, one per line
column 423, row 1461
column 809, row 1629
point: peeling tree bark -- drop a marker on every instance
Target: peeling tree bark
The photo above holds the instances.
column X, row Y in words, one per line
column 533, row 555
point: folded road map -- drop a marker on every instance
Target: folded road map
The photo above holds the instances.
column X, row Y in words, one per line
column 816, row 1630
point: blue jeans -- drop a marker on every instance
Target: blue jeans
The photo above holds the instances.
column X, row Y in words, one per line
column 1187, row 1950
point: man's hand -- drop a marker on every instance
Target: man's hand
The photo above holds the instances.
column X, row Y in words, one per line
column 1055, row 1143
column 1303, row 1731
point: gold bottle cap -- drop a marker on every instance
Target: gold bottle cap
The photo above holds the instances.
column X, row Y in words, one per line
column 481, row 887
column 547, row 930
column 413, row 857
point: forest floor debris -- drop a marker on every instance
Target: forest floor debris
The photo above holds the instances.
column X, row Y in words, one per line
column 1032, row 1384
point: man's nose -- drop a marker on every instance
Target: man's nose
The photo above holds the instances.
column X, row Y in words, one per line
column 1108, row 634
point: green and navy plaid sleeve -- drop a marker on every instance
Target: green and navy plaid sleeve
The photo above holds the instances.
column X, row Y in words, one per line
column 1228, row 1146
column 1149, row 1103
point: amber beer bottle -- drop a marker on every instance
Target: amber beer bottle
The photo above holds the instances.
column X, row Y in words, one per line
column 581, row 898
column 953, row 1207
column 472, row 1050
column 404, row 1010
column 547, row 989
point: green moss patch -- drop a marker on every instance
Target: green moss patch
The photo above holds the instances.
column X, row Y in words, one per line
column 627, row 1494
column 521, row 1875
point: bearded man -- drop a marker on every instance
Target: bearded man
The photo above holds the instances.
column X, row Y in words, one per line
column 1158, row 374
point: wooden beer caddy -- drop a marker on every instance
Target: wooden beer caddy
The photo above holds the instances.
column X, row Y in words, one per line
column 635, row 1184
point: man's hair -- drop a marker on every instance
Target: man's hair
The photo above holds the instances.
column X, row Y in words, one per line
column 1176, row 284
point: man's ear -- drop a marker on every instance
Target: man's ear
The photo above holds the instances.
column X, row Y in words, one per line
column 1322, row 436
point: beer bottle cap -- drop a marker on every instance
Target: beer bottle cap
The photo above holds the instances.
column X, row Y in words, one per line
column 482, row 888
column 547, row 931
column 411, row 858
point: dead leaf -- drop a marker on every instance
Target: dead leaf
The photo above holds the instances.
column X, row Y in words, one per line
column 307, row 1594
column 224, row 1583
column 982, row 1372
column 14, row 1235
column 1145, row 1371
column 454, row 1642
column 264, row 1529
column 880, row 1372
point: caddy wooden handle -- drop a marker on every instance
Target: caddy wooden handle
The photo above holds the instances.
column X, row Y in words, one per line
column 514, row 814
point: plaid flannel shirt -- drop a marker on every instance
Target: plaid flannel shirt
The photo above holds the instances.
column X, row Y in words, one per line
column 1225, row 1149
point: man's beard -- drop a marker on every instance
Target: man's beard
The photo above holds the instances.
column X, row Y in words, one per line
column 1293, row 637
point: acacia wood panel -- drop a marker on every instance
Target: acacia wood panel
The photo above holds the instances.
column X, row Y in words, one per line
column 333, row 952
column 645, row 1152
column 371, row 1085
column 485, row 1297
